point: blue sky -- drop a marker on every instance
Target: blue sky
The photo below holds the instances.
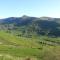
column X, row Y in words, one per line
column 37, row 8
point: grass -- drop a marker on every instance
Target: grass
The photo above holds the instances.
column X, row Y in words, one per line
column 22, row 48
column 11, row 39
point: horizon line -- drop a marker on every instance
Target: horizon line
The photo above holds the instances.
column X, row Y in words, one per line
column 28, row 16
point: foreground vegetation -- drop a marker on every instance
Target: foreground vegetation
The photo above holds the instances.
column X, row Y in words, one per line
column 13, row 47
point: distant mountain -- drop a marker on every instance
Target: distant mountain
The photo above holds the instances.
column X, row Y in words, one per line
column 30, row 25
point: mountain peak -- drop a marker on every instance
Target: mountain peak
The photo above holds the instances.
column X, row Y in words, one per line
column 24, row 16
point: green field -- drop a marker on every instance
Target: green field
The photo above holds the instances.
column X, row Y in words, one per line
column 13, row 47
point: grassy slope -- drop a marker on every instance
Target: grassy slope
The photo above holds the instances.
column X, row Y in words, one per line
column 12, row 47
column 18, row 47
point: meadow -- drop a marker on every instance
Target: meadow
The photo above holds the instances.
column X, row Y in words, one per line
column 13, row 47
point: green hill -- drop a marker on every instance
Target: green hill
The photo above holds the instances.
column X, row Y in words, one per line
column 30, row 38
column 35, row 48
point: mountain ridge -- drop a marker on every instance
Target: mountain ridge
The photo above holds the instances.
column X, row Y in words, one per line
column 41, row 26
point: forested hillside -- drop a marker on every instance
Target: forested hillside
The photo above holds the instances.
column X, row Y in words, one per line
column 30, row 38
column 29, row 25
